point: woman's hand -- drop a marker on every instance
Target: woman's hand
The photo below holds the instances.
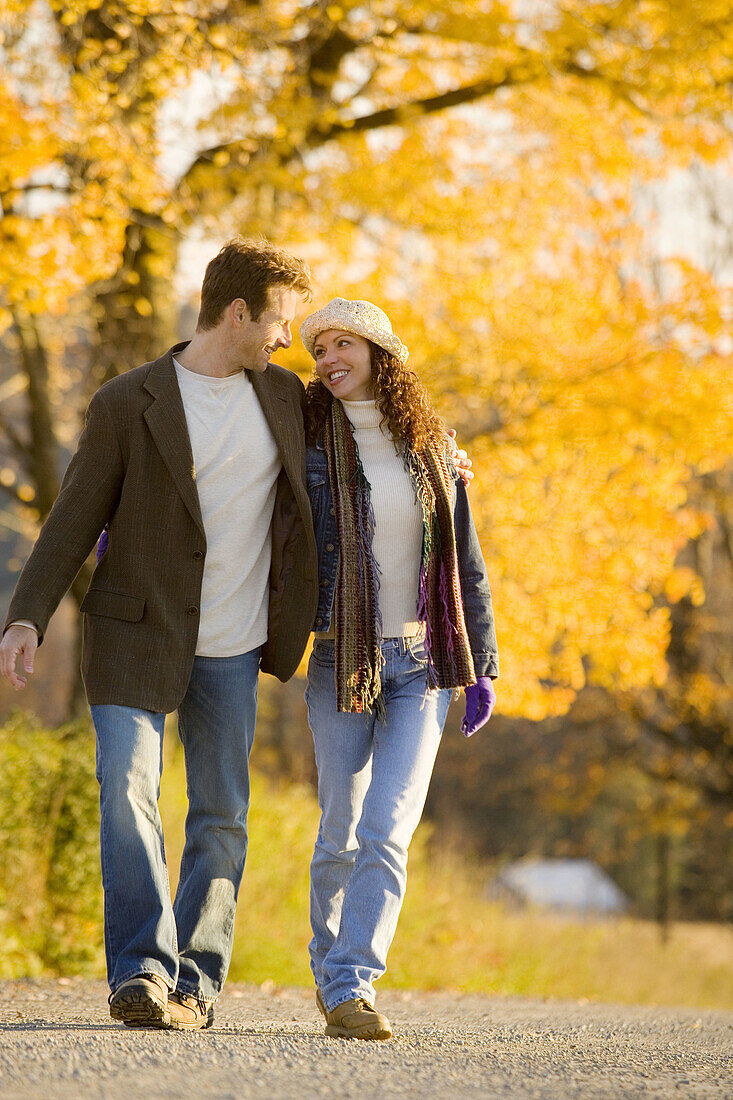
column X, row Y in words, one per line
column 461, row 461
column 480, row 702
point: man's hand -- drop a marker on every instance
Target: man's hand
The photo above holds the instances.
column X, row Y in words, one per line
column 17, row 640
column 461, row 461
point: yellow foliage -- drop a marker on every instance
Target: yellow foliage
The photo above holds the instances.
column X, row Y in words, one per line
column 527, row 301
column 501, row 232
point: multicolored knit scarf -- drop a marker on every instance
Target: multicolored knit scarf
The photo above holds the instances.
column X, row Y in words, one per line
column 357, row 621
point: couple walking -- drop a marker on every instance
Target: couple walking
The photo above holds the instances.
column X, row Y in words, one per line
column 230, row 533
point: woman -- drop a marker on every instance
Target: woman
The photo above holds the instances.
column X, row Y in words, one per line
column 404, row 616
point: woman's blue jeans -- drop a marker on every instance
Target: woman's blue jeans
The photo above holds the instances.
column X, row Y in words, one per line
column 372, row 783
column 188, row 943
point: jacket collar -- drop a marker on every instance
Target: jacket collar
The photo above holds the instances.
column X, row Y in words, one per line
column 284, row 417
column 167, row 423
column 166, row 420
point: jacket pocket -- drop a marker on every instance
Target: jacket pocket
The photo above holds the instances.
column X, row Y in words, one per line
column 315, row 481
column 115, row 605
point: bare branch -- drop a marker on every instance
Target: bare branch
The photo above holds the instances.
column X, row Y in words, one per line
column 496, row 423
column 24, row 188
column 398, row 115
column 21, row 448
column 623, row 91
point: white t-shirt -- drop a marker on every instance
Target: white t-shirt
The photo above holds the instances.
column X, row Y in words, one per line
column 236, row 464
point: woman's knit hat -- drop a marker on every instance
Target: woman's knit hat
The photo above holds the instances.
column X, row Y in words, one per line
column 360, row 317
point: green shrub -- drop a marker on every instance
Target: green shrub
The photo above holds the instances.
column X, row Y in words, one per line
column 51, row 900
column 50, row 885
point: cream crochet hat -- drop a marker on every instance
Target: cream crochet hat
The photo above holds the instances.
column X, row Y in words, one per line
column 360, row 317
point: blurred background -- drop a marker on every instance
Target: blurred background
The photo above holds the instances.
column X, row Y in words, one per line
column 539, row 193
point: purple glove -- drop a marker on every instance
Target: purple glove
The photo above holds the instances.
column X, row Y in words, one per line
column 480, row 701
column 102, row 545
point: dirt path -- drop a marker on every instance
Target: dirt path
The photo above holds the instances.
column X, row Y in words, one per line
column 58, row 1043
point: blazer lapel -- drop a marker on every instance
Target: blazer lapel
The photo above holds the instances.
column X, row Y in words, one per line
column 285, row 419
column 166, row 420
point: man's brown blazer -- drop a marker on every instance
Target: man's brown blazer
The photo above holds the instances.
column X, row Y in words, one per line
column 133, row 470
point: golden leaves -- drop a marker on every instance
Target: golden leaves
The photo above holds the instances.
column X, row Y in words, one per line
column 523, row 286
column 502, row 236
column 144, row 307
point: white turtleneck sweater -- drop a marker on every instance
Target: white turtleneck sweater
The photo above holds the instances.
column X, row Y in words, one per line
column 398, row 527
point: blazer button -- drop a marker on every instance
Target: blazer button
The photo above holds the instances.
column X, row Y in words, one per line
column 330, row 547
column 197, row 555
column 324, row 583
column 319, row 621
column 192, row 611
column 332, row 511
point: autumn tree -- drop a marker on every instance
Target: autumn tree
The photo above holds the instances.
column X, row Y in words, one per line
column 475, row 169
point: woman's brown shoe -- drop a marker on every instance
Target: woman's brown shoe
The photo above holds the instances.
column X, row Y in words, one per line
column 357, row 1019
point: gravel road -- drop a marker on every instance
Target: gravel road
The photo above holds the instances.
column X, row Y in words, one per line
column 58, row 1043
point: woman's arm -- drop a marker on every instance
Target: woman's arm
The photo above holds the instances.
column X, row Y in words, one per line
column 477, row 606
column 478, row 613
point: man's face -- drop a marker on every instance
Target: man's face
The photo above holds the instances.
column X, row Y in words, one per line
column 257, row 341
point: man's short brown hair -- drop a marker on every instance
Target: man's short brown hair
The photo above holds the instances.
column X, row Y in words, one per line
column 247, row 269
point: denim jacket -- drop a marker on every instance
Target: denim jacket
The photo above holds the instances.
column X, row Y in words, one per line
column 477, row 607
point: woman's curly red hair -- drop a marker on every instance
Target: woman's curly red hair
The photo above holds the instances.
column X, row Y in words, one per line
column 401, row 398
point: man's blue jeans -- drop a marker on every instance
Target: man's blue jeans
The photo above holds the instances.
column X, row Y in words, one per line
column 372, row 783
column 189, row 943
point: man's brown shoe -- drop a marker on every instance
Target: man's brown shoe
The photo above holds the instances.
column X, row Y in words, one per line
column 357, row 1019
column 188, row 1013
column 141, row 1001
column 321, row 1004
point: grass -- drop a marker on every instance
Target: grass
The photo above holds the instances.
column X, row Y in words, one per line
column 449, row 936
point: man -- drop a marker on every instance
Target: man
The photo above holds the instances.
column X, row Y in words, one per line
column 195, row 465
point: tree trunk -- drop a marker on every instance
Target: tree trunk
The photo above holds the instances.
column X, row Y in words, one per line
column 135, row 311
column 43, row 448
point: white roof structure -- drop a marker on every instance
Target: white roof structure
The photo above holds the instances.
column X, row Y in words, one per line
column 569, row 885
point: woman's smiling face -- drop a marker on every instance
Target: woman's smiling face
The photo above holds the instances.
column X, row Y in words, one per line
column 344, row 364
